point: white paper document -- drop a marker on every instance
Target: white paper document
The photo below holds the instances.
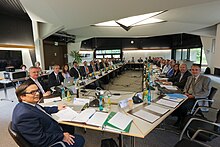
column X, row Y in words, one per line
column 98, row 119
column 55, row 99
column 80, row 101
column 157, row 109
column 84, row 116
column 115, row 97
column 66, row 114
column 146, row 116
column 169, row 87
column 70, row 115
column 167, row 103
column 120, row 120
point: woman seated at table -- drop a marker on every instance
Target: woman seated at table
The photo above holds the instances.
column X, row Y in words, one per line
column 65, row 71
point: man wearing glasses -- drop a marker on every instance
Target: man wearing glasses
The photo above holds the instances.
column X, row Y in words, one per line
column 35, row 123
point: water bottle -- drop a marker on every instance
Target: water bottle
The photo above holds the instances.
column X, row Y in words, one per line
column 68, row 95
column 145, row 95
column 149, row 96
column 101, row 100
column 108, row 104
column 63, row 93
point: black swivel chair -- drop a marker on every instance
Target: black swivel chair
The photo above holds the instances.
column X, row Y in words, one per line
column 209, row 100
column 192, row 142
column 17, row 137
column 24, row 143
column 212, row 128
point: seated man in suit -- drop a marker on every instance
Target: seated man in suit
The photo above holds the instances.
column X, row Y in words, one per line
column 140, row 60
column 197, row 86
column 181, row 78
column 92, row 67
column 84, row 70
column 74, row 72
column 56, row 77
column 35, row 123
column 102, row 64
column 97, row 65
column 34, row 75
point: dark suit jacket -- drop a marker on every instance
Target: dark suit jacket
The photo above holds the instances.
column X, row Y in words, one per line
column 43, row 84
column 180, row 84
column 83, row 71
column 97, row 67
column 52, row 81
column 91, row 69
column 74, row 73
column 35, row 126
column 102, row 65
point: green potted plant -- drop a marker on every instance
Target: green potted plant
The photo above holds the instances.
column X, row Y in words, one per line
column 76, row 56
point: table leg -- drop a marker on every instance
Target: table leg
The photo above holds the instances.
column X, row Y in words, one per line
column 132, row 141
column 121, row 143
column 6, row 94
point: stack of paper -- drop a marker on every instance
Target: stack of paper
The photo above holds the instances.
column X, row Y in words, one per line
column 167, row 103
column 169, row 87
column 118, row 122
column 98, row 119
column 66, row 114
column 80, row 101
column 157, row 109
column 146, row 116
column 55, row 99
column 84, row 116
column 171, row 99
column 70, row 115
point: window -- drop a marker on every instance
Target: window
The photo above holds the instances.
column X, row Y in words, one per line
column 178, row 54
column 195, row 55
column 110, row 53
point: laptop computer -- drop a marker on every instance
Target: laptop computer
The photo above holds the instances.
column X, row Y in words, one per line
column 68, row 82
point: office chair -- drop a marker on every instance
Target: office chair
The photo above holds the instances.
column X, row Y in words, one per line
column 200, row 122
column 192, row 142
column 24, row 143
column 17, row 137
column 209, row 100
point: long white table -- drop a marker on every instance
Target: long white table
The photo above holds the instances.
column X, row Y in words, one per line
column 139, row 127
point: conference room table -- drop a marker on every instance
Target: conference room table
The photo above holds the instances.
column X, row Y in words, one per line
column 140, row 128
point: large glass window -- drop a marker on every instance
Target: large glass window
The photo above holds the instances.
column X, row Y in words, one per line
column 184, row 54
column 178, row 54
column 195, row 55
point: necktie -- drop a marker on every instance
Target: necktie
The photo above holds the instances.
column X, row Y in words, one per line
column 39, row 86
column 181, row 77
column 57, row 78
column 191, row 86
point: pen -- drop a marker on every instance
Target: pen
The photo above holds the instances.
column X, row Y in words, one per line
column 56, row 100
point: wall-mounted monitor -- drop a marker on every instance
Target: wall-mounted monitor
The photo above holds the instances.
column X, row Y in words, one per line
column 10, row 58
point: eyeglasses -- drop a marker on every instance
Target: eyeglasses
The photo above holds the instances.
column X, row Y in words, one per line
column 33, row 92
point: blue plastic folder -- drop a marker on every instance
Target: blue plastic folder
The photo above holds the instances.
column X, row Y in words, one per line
column 176, row 95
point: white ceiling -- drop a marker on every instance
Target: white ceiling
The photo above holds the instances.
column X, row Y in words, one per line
column 77, row 16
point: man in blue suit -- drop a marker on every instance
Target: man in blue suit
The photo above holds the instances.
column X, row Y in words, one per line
column 35, row 123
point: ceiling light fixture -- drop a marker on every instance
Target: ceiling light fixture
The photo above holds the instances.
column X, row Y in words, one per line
column 129, row 22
